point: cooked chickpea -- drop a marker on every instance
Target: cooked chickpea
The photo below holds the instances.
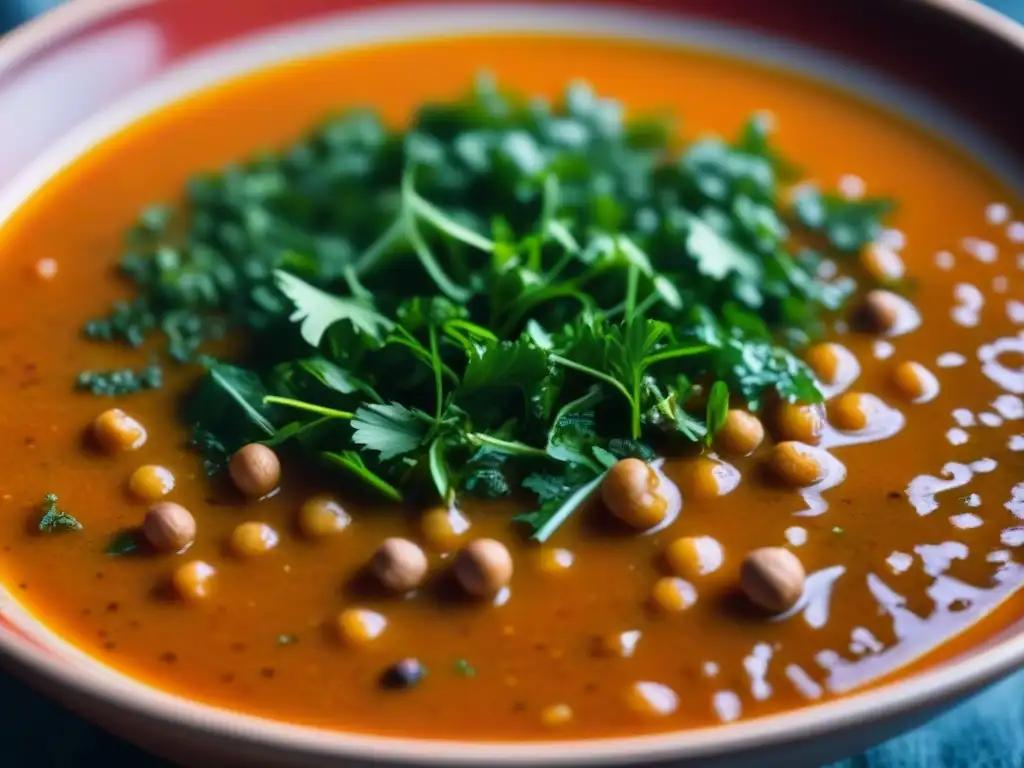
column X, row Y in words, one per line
column 483, row 567
column 116, row 431
column 358, row 627
column 399, row 565
column 824, row 359
column 708, row 478
column 741, row 433
column 772, row 578
column 556, row 715
column 694, row 556
column 879, row 312
column 556, row 561
column 915, row 382
column 795, row 464
column 444, row 528
column 799, row 421
column 322, row 516
column 255, row 470
column 630, row 492
column 253, row 538
column 883, row 264
column 850, row 411
column 169, row 527
column 193, row 581
column 620, row 645
column 672, row 594
column 651, row 699
column 151, row 482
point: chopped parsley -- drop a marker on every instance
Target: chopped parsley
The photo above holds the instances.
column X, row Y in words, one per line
column 56, row 519
column 464, row 668
column 117, row 383
column 505, row 297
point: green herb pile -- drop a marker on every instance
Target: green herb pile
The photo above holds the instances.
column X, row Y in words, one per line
column 506, row 296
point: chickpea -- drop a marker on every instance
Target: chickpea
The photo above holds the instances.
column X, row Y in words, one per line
column 116, row 431
column 322, row 516
column 556, row 715
column 803, row 422
column 795, row 464
column 444, row 528
column 630, row 492
column 824, row 359
column 915, row 382
column 741, row 433
column 193, row 581
column 708, row 478
column 694, row 556
column 255, row 470
column 169, row 527
column 772, row 579
column 358, row 627
column 399, row 565
column 620, row 645
column 850, row 411
column 151, row 482
column 556, row 561
column 651, row 699
column 883, row 264
column 879, row 312
column 672, row 594
column 483, row 567
column 253, row 538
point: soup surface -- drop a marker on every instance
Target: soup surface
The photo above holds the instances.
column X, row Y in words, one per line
column 913, row 547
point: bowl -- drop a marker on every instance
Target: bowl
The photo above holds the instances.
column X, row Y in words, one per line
column 79, row 72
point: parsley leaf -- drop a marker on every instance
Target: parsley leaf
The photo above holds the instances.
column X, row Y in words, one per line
column 390, row 429
column 55, row 518
column 316, row 311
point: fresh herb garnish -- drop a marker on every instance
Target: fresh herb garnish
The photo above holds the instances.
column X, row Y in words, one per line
column 124, row 542
column 464, row 668
column 117, row 383
column 55, row 518
column 505, row 297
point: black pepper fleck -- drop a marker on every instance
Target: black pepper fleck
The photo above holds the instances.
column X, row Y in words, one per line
column 112, row 607
column 404, row 674
column 168, row 657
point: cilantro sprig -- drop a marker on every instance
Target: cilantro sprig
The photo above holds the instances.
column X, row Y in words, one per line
column 505, row 297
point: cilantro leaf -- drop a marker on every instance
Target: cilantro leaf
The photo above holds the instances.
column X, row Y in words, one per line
column 390, row 429
column 318, row 310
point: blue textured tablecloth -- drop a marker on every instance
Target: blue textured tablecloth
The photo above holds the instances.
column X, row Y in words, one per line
column 987, row 732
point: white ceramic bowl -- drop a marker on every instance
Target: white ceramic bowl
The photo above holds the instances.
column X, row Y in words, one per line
column 79, row 72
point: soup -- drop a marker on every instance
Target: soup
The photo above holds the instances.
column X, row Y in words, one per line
column 883, row 519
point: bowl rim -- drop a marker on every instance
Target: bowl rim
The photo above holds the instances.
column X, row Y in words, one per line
column 95, row 684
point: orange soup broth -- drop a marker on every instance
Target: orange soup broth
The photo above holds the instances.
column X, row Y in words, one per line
column 537, row 650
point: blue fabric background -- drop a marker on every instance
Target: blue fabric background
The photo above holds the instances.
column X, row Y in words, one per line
column 987, row 732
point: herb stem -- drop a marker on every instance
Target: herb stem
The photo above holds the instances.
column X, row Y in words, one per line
column 566, row 363
column 632, row 282
column 671, row 354
column 435, row 363
column 511, row 447
column 301, row 405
